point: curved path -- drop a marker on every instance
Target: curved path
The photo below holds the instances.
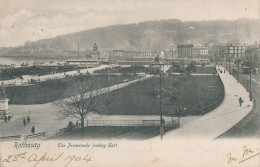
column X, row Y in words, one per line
column 222, row 118
column 43, row 116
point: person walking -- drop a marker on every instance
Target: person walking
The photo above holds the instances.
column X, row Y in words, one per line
column 5, row 118
column 33, row 130
column 24, row 121
column 77, row 124
column 240, row 101
column 28, row 119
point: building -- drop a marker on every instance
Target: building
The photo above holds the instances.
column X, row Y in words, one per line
column 200, row 53
column 118, row 53
column 252, row 57
column 196, row 52
column 204, row 51
column 95, row 53
column 84, row 63
column 218, row 52
column 185, row 51
column 235, row 50
column 91, row 60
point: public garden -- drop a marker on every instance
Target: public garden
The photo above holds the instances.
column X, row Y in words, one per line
column 52, row 90
column 197, row 94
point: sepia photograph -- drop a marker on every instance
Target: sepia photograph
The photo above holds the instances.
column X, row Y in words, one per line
column 129, row 83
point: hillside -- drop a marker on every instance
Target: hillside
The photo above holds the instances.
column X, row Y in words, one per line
column 153, row 35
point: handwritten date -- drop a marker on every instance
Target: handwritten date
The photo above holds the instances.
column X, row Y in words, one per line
column 36, row 159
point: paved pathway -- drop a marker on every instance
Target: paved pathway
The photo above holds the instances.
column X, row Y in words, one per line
column 43, row 116
column 222, row 118
column 27, row 78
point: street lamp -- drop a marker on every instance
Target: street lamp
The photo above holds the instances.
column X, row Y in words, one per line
column 250, row 87
column 238, row 62
column 158, row 63
column 250, row 53
column 226, row 60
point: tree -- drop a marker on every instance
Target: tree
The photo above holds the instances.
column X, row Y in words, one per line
column 84, row 100
column 203, row 64
column 191, row 67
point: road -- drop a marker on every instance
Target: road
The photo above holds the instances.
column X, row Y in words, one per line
column 222, row 118
column 250, row 126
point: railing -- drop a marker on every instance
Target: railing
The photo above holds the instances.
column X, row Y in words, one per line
column 95, row 123
column 17, row 137
column 128, row 123
column 42, row 134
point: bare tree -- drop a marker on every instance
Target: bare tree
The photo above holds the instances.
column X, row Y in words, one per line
column 84, row 100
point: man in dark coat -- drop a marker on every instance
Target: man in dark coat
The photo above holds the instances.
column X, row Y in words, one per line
column 28, row 119
column 24, row 121
column 33, row 130
column 240, row 101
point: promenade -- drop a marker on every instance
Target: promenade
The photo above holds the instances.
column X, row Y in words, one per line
column 43, row 116
column 27, row 78
column 222, row 118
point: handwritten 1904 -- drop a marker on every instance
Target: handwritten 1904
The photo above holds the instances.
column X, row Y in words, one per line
column 36, row 159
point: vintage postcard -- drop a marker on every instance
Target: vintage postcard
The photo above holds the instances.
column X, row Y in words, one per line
column 135, row 83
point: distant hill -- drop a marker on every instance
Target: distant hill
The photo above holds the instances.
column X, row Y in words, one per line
column 153, row 35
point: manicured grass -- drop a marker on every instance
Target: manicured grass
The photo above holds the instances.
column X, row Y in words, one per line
column 206, row 70
column 110, row 132
column 35, row 70
column 131, row 69
column 200, row 70
column 48, row 91
column 198, row 94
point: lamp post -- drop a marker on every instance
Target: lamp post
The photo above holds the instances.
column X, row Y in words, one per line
column 238, row 61
column 249, row 52
column 250, row 81
column 172, row 54
column 226, row 60
column 161, row 119
column 161, row 66
column 229, row 65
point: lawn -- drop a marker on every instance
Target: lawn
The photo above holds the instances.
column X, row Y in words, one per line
column 131, row 69
column 200, row 70
column 48, row 91
column 112, row 132
column 198, row 94
column 35, row 70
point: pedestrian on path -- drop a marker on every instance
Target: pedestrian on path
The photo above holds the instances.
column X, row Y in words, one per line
column 24, row 121
column 33, row 130
column 240, row 101
column 9, row 117
column 28, row 119
column 5, row 118
column 77, row 124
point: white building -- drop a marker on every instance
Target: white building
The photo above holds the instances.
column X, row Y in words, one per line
column 200, row 52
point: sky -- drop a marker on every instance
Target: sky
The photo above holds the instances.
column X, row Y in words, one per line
column 31, row 20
